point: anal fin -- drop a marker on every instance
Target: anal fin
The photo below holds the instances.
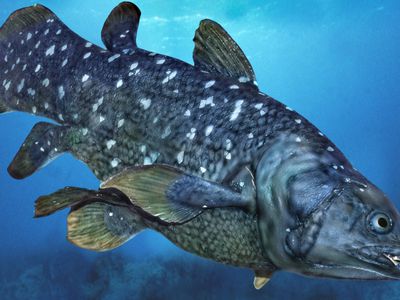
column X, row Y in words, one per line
column 44, row 143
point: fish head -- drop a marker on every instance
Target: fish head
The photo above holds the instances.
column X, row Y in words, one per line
column 320, row 221
column 358, row 236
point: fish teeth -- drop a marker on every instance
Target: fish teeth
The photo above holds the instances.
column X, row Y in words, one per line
column 394, row 259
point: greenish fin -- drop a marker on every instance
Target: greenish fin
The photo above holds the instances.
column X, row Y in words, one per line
column 66, row 197
column 24, row 18
column 216, row 52
column 172, row 196
column 44, row 143
column 120, row 29
column 100, row 226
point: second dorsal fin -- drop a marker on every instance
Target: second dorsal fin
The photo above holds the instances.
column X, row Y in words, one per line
column 216, row 52
column 120, row 29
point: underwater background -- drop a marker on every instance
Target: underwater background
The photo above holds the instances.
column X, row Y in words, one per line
column 336, row 62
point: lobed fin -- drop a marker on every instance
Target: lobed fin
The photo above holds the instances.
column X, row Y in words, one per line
column 120, row 29
column 100, row 226
column 44, row 143
column 66, row 197
column 172, row 196
column 216, row 52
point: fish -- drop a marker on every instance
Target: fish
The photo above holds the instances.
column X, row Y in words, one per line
column 194, row 151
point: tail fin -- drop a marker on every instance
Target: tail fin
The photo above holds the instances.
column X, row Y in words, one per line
column 99, row 220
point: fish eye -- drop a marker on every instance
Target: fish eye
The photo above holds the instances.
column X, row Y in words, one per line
column 380, row 222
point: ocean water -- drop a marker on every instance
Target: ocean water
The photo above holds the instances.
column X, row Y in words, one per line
column 336, row 62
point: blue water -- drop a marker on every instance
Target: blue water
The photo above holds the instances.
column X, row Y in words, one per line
column 337, row 62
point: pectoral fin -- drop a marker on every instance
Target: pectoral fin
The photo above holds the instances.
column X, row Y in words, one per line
column 216, row 52
column 171, row 195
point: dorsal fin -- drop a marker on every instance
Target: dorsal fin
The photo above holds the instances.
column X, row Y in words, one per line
column 216, row 52
column 120, row 29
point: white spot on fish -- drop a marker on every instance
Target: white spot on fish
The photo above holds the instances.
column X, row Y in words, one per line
column 34, row 109
column 187, row 113
column 298, row 139
column 176, row 91
column 180, row 156
column 101, row 119
column 28, row 36
column 203, row 170
column 258, row 106
column 85, row 77
column 58, row 32
column 167, row 132
column 288, row 108
column 61, row 92
column 228, row 155
column 228, row 144
column 234, row 87
column 209, row 84
column 298, row 121
column 121, row 123
column 46, row 31
column 46, row 82
column 250, row 135
column 37, row 68
column 209, row 129
column 190, row 135
column 114, row 163
column 133, row 66
column 87, row 55
column 208, row 101
column 110, row 144
column 42, row 149
column 63, row 48
column 110, row 214
column 152, row 54
column 37, row 44
column 31, row 92
column 169, row 77
column 88, row 45
column 160, row 61
column 244, row 79
column 114, row 57
column 46, row 105
column 50, row 51
column 21, row 85
column 236, row 112
column 320, row 133
column 65, row 61
column 335, row 167
column 145, row 102
column 330, row 149
column 7, row 85
column 120, row 83
column 85, row 131
column 60, row 116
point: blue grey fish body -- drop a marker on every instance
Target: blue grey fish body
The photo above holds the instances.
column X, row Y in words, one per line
column 195, row 152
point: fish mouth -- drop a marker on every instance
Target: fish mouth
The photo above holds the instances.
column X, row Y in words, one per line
column 384, row 259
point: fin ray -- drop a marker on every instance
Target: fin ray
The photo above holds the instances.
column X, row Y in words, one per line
column 216, row 52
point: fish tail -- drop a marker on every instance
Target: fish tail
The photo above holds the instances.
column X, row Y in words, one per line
column 35, row 64
column 99, row 220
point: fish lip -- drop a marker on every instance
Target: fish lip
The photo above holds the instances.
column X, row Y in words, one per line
column 386, row 258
